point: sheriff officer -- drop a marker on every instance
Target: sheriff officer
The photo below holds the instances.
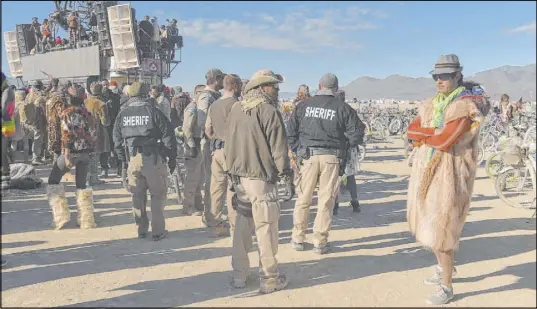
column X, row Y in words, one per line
column 143, row 139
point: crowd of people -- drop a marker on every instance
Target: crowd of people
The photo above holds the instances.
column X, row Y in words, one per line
column 230, row 141
column 153, row 40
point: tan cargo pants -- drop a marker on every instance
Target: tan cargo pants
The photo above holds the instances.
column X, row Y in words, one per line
column 326, row 169
column 220, row 192
column 206, row 161
column 266, row 213
column 193, row 182
column 143, row 175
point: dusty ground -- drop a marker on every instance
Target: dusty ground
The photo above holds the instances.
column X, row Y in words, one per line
column 375, row 262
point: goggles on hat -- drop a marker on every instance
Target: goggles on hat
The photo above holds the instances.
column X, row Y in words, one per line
column 275, row 86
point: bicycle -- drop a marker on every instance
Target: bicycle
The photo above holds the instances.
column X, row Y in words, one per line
column 520, row 168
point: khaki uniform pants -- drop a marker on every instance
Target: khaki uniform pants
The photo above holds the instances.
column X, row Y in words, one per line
column 193, row 182
column 266, row 213
column 38, row 136
column 326, row 169
column 220, row 192
column 143, row 175
column 206, row 161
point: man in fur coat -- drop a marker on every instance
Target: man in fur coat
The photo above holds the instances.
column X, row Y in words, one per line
column 99, row 111
column 445, row 134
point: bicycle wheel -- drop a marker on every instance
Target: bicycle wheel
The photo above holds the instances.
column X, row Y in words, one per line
column 379, row 130
column 395, row 126
column 480, row 155
column 530, row 136
column 515, row 188
column 493, row 165
column 488, row 142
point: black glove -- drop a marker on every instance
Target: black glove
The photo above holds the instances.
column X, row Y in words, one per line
column 289, row 185
column 193, row 152
column 172, row 163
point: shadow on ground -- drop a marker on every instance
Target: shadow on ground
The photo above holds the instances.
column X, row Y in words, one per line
column 336, row 269
column 106, row 256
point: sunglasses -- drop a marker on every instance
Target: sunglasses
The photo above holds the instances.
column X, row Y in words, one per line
column 275, row 86
column 443, row 77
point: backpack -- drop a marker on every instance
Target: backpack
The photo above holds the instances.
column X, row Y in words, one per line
column 78, row 124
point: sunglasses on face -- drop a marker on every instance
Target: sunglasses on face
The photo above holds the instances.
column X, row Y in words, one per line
column 275, row 86
column 443, row 77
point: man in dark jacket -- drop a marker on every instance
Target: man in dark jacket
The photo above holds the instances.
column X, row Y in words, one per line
column 111, row 100
column 144, row 138
column 256, row 156
column 321, row 126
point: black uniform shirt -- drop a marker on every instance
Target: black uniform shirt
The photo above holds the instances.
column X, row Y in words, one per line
column 140, row 123
column 322, row 121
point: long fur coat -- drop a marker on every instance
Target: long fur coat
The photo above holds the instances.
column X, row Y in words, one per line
column 99, row 111
column 440, row 189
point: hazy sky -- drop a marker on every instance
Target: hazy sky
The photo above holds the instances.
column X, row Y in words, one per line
column 303, row 40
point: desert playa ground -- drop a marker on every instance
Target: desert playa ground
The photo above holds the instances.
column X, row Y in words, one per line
column 375, row 261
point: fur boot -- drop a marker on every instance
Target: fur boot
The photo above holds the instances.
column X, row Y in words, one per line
column 84, row 203
column 58, row 204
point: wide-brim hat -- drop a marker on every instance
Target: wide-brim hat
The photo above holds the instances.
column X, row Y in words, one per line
column 447, row 64
column 263, row 77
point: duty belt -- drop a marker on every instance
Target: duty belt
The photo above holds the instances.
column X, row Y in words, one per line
column 317, row 151
column 147, row 151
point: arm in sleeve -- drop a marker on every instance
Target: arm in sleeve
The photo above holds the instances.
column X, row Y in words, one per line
column 66, row 131
column 292, row 131
column 119, row 145
column 168, row 136
column 105, row 117
column 449, row 135
column 354, row 127
column 277, row 140
column 8, row 96
column 203, row 108
column 167, row 108
column 92, row 125
column 189, row 124
column 209, row 126
column 416, row 133
column 54, row 130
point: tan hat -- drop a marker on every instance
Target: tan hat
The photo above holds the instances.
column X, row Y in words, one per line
column 263, row 77
column 447, row 64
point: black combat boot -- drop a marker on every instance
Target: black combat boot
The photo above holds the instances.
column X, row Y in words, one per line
column 355, row 206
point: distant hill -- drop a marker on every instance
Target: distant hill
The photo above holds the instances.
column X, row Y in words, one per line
column 513, row 80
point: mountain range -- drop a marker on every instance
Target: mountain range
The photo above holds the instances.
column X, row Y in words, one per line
column 516, row 81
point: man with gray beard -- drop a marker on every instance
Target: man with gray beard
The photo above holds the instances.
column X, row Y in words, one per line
column 256, row 158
